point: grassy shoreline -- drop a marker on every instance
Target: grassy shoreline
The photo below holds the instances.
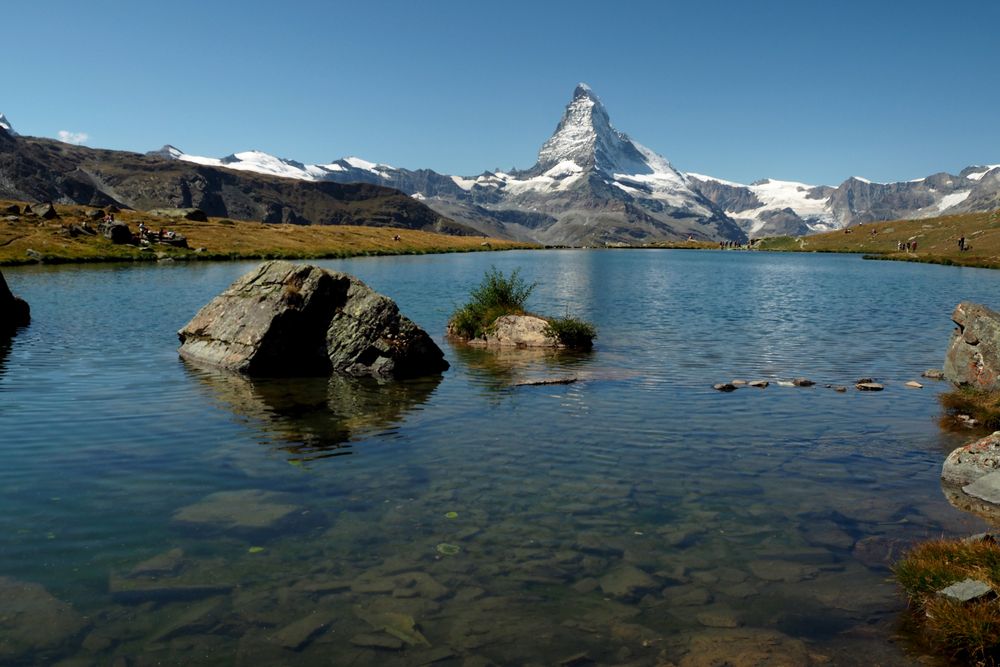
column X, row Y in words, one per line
column 53, row 241
column 936, row 239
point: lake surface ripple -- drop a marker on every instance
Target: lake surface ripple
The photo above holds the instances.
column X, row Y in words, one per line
column 179, row 515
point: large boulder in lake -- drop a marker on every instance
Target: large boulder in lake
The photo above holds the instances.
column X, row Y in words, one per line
column 285, row 319
column 14, row 312
column 973, row 357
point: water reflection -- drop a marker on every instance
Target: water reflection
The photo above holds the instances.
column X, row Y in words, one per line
column 316, row 418
column 966, row 503
column 499, row 369
column 5, row 345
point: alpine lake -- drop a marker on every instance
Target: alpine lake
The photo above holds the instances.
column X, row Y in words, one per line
column 156, row 513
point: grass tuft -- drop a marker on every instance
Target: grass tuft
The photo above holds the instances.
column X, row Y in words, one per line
column 572, row 332
column 496, row 295
column 969, row 632
column 983, row 406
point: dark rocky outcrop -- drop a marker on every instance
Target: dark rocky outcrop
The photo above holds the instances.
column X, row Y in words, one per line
column 14, row 312
column 284, row 319
column 116, row 232
column 973, row 357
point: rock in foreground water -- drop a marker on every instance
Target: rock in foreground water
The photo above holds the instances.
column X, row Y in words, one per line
column 970, row 462
column 973, row 357
column 285, row 319
column 14, row 312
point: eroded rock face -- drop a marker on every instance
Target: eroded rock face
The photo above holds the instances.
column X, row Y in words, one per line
column 14, row 312
column 973, row 357
column 284, row 319
column 970, row 462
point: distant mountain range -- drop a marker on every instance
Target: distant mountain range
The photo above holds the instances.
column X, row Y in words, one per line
column 593, row 185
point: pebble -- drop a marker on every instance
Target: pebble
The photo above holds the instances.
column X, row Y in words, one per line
column 724, row 386
column 760, row 384
column 803, row 382
column 913, row 384
column 869, row 386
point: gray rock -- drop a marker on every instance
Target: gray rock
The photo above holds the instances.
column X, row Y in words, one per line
column 296, row 635
column 14, row 312
column 724, row 386
column 973, row 357
column 193, row 214
column 759, row 384
column 970, row 462
column 520, row 331
column 968, row 590
column 297, row 319
column 165, row 563
column 933, row 374
column 913, row 384
column 840, row 389
column 45, row 210
column 10, row 209
column 985, row 488
column 116, row 232
column 803, row 382
column 869, row 386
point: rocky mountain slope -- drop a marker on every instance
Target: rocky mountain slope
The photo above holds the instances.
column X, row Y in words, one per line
column 591, row 185
column 33, row 169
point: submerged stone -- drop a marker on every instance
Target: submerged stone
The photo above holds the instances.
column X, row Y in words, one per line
column 247, row 510
column 284, row 319
column 985, row 488
column 33, row 622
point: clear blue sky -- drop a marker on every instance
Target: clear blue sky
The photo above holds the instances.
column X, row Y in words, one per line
column 811, row 91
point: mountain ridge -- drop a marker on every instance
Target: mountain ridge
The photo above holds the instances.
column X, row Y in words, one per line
column 593, row 185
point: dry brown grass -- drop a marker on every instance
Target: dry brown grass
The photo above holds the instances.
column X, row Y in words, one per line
column 968, row 632
column 936, row 238
column 983, row 406
column 221, row 239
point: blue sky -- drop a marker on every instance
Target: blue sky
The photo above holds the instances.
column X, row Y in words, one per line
column 809, row 91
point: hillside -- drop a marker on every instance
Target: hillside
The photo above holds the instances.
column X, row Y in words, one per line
column 33, row 169
column 27, row 239
column 936, row 239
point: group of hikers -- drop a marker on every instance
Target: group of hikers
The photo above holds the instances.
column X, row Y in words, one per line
column 147, row 234
column 908, row 246
column 724, row 245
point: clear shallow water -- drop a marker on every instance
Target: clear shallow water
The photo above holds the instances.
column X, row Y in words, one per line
column 635, row 516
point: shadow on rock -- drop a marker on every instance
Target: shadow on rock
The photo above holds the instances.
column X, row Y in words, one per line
column 316, row 418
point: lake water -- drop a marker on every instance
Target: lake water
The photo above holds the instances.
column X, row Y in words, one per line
column 633, row 517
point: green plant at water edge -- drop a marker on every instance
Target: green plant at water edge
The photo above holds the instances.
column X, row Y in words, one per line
column 496, row 295
column 967, row 631
column 572, row 332
column 984, row 406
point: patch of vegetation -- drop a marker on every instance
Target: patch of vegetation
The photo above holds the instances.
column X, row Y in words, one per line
column 27, row 239
column 983, row 406
column 497, row 295
column 969, row 632
column 572, row 332
column 937, row 240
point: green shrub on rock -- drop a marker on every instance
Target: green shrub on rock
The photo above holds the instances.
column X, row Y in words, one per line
column 572, row 332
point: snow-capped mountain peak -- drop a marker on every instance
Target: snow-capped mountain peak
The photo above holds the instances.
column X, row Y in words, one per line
column 6, row 126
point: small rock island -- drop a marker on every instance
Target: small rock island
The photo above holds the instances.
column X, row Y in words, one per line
column 285, row 319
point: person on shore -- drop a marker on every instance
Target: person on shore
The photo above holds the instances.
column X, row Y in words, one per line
column 961, row 244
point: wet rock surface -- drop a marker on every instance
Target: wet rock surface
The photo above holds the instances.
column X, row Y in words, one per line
column 14, row 312
column 285, row 319
column 973, row 357
column 33, row 623
column 250, row 510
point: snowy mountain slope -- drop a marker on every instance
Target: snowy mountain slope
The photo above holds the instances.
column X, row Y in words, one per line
column 592, row 184
column 6, row 126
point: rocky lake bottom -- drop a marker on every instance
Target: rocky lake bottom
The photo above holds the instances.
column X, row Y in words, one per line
column 159, row 513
